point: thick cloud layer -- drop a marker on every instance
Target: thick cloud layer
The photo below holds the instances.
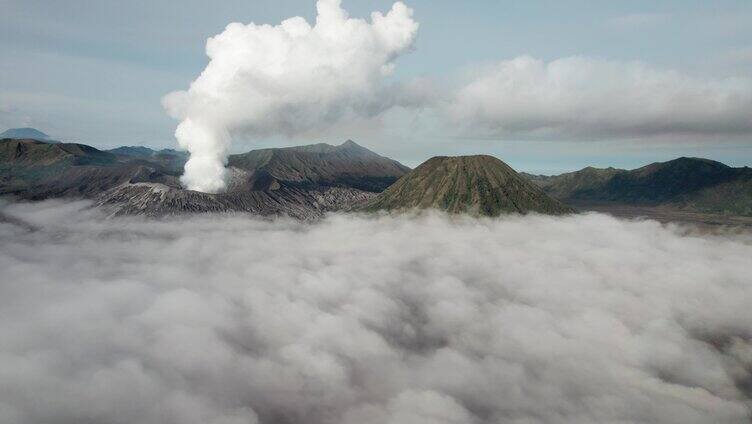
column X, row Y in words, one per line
column 286, row 79
column 578, row 97
column 220, row 319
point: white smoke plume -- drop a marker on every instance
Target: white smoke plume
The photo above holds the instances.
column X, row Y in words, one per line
column 586, row 98
column 267, row 80
column 428, row 319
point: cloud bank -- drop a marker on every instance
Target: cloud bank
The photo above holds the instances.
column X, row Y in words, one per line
column 584, row 98
column 221, row 319
column 268, row 80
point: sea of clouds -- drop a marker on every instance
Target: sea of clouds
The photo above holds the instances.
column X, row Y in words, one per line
column 370, row 319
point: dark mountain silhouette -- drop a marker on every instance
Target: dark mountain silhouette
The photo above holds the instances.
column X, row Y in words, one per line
column 478, row 185
column 695, row 184
column 27, row 133
column 346, row 165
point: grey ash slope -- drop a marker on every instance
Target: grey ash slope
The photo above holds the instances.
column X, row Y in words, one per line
column 478, row 185
column 303, row 182
column 692, row 184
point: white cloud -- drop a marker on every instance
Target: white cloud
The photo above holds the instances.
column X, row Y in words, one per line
column 583, row 98
column 231, row 319
column 267, row 80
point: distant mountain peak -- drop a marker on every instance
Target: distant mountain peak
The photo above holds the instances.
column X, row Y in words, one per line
column 353, row 147
column 26, row 132
column 692, row 160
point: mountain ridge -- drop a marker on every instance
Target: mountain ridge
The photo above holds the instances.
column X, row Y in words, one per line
column 687, row 183
column 347, row 164
column 310, row 180
column 303, row 182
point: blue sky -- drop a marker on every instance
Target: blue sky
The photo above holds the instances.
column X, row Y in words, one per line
column 95, row 71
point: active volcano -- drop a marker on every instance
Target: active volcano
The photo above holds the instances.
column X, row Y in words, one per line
column 478, row 185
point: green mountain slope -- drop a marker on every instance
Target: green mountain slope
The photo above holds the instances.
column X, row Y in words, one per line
column 582, row 183
column 689, row 183
column 36, row 170
column 478, row 185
